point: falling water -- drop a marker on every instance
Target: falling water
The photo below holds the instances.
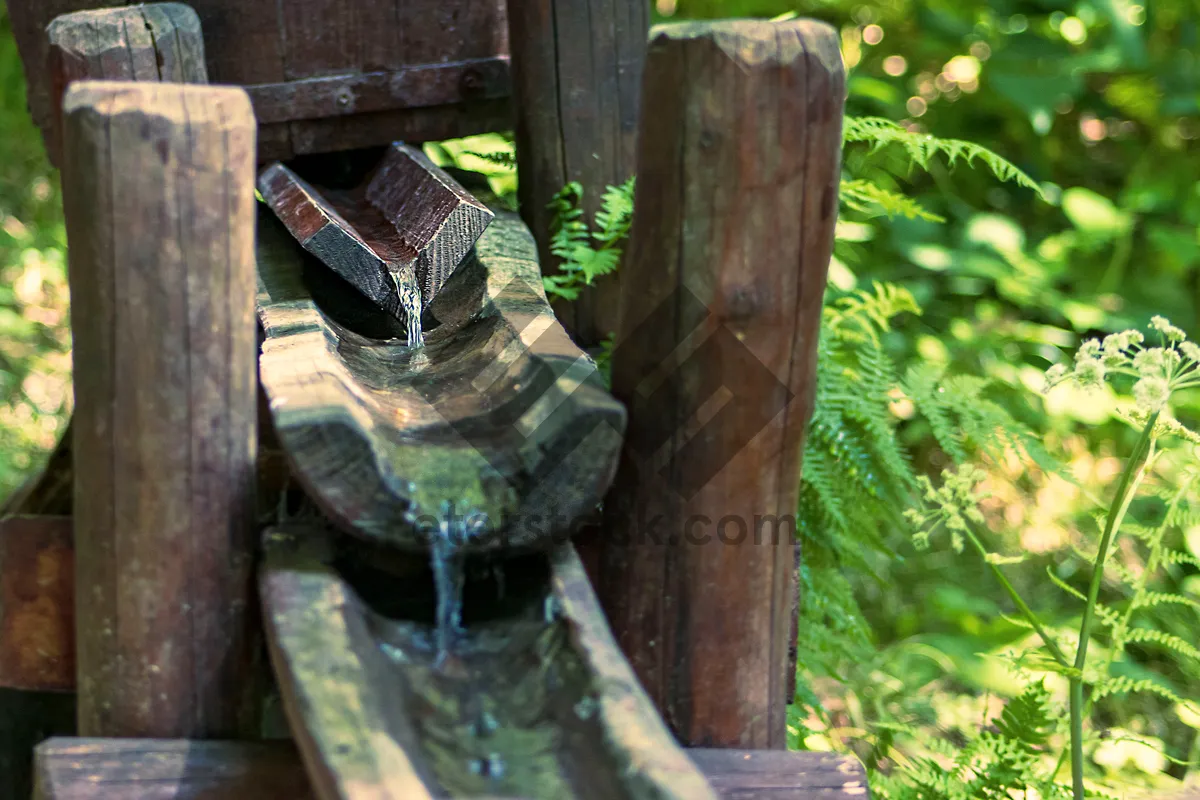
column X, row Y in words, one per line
column 411, row 303
column 448, row 579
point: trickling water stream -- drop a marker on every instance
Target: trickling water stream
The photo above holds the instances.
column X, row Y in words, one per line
column 501, row 703
column 410, row 301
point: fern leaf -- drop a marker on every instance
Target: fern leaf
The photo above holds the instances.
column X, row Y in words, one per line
column 862, row 195
column 921, row 147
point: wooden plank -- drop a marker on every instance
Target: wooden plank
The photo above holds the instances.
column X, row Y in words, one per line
column 407, row 87
column 37, row 597
column 782, row 775
column 154, row 42
column 576, row 80
column 737, row 199
column 162, row 310
column 150, row 769
column 533, row 701
column 168, row 769
column 396, row 239
column 369, row 129
column 499, row 415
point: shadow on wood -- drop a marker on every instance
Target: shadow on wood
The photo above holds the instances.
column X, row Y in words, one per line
column 535, row 701
column 499, row 424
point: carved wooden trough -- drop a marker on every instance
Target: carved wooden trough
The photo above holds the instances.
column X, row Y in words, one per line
column 358, row 535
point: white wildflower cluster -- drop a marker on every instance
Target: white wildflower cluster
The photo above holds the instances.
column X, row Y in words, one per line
column 1157, row 371
column 952, row 505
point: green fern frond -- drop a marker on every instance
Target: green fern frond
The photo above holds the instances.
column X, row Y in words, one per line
column 503, row 159
column 921, row 147
column 862, row 195
column 586, row 255
column 1162, row 639
column 1027, row 717
column 1122, row 685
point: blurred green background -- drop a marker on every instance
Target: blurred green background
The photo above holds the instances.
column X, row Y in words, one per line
column 1097, row 100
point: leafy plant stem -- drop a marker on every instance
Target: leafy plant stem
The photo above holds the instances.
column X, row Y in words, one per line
column 1130, row 478
column 1020, row 603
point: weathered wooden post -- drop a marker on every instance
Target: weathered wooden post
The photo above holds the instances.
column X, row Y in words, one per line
column 577, row 69
column 158, row 42
column 142, row 43
column 736, row 203
column 158, row 185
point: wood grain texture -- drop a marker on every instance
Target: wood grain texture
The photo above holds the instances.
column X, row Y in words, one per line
column 736, row 205
column 499, row 414
column 172, row 769
column 37, row 600
column 164, row 365
column 375, row 717
column 397, row 238
column 168, row 769
column 577, row 68
column 153, row 42
column 782, row 775
column 361, row 72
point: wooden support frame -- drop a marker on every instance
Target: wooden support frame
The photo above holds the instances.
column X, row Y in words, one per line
column 165, row 421
column 577, row 110
column 716, row 359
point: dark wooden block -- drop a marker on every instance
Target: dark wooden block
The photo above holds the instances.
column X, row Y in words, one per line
column 397, row 238
column 158, row 769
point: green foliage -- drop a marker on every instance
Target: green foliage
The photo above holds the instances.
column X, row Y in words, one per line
column 586, row 254
column 922, row 147
column 1001, row 761
column 34, row 335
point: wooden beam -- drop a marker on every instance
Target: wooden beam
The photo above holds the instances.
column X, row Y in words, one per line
column 162, row 769
column 577, row 67
column 715, row 360
column 152, row 42
column 164, row 364
column 397, row 238
column 154, row 769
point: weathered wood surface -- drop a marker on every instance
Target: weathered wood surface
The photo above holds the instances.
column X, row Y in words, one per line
column 332, row 74
column 715, row 359
column 534, row 700
column 499, row 417
column 152, row 42
column 577, row 70
column 782, row 775
column 37, row 604
column 164, row 366
column 166, row 769
column 397, row 238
